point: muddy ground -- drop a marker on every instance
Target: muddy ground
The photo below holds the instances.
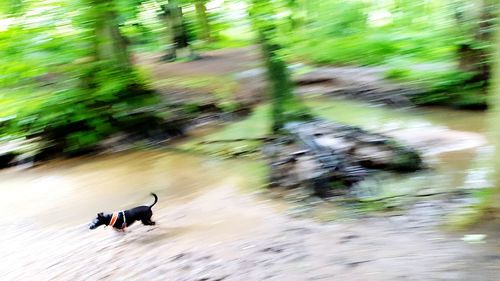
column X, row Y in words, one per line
column 224, row 234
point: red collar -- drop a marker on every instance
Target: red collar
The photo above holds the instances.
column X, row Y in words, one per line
column 114, row 218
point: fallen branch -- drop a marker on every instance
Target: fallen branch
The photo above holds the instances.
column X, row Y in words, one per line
column 360, row 200
column 237, row 140
column 455, row 192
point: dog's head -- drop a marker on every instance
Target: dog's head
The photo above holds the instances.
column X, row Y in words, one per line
column 98, row 221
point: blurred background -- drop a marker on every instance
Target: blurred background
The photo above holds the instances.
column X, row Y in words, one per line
column 103, row 101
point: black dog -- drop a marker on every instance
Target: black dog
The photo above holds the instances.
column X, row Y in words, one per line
column 122, row 219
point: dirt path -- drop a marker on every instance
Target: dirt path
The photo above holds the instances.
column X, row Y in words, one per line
column 218, row 62
column 247, row 240
column 217, row 71
column 242, row 67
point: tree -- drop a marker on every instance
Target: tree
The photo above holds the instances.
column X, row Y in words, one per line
column 493, row 204
column 89, row 90
column 473, row 51
column 201, row 13
column 285, row 105
column 177, row 31
column 109, row 44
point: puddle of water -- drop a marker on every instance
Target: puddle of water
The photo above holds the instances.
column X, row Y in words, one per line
column 63, row 192
column 454, row 143
column 73, row 191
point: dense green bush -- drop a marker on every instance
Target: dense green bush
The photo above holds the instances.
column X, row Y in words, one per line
column 53, row 87
column 404, row 36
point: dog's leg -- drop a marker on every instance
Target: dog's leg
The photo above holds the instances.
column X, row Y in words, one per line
column 148, row 221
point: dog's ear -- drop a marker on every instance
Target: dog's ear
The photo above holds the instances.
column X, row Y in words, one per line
column 100, row 215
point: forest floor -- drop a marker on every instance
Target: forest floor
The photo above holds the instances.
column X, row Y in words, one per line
column 240, row 72
column 220, row 232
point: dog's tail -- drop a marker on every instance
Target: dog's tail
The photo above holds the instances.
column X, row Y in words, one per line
column 156, row 200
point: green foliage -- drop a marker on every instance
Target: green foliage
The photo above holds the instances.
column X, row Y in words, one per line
column 53, row 84
column 257, row 125
column 53, row 87
column 470, row 215
column 370, row 47
column 342, row 19
column 397, row 73
column 11, row 6
column 442, row 87
column 401, row 35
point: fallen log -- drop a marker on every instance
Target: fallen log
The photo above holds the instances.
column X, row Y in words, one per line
column 329, row 156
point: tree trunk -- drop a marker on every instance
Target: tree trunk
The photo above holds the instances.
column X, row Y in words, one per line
column 471, row 57
column 178, row 36
column 285, row 106
column 109, row 45
column 493, row 205
column 280, row 85
column 201, row 13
